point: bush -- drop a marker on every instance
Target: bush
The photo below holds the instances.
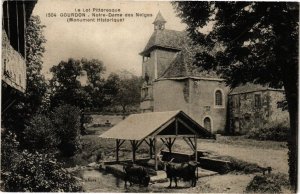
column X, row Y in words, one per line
column 240, row 165
column 66, row 120
column 270, row 183
column 277, row 133
column 9, row 149
column 36, row 172
column 40, row 134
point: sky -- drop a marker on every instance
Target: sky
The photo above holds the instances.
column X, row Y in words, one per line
column 117, row 44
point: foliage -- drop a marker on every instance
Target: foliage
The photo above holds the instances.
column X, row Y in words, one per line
column 270, row 183
column 36, row 172
column 66, row 121
column 9, row 148
column 258, row 43
column 28, row 104
column 124, row 89
column 67, row 83
column 40, row 134
column 36, row 84
column 240, row 165
column 277, row 133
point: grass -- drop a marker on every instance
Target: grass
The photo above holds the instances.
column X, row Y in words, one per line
column 244, row 142
column 270, row 183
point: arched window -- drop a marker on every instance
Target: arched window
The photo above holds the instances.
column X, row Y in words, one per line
column 207, row 123
column 218, row 98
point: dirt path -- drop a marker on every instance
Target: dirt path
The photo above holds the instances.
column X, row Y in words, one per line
column 277, row 159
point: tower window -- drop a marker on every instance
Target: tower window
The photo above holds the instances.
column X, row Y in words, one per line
column 218, row 98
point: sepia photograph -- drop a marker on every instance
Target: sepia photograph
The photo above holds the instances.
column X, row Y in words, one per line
column 149, row 96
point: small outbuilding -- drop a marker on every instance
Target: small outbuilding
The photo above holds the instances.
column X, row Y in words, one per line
column 154, row 126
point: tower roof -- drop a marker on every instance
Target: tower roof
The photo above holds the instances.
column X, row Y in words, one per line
column 159, row 18
column 168, row 39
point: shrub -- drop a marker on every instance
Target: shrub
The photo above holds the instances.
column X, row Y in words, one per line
column 40, row 134
column 276, row 133
column 9, row 149
column 36, row 172
column 66, row 120
column 240, row 165
column 270, row 183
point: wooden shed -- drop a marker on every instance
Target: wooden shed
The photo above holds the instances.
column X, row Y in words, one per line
column 154, row 126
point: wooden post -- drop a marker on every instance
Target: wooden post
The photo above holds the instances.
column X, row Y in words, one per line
column 196, row 152
column 117, row 149
column 133, row 145
column 196, row 155
column 151, row 148
column 170, row 145
column 155, row 153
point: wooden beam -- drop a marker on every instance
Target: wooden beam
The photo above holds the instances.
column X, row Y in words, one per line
column 191, row 142
column 134, row 148
column 139, row 143
column 173, row 141
column 163, row 141
column 155, row 154
column 176, row 127
column 118, row 145
column 191, row 129
column 196, row 154
column 162, row 127
column 188, row 143
column 117, row 150
column 175, row 136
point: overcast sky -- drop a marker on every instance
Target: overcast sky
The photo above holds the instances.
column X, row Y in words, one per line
column 116, row 44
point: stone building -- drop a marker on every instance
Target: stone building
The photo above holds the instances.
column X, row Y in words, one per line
column 172, row 82
column 255, row 106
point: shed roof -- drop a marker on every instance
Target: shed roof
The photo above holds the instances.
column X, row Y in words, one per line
column 141, row 126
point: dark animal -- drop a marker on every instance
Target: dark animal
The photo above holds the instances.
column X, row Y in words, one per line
column 136, row 174
column 186, row 171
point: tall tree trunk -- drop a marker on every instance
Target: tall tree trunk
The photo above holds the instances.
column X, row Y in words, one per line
column 292, row 99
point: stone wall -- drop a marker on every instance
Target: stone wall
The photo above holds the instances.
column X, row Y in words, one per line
column 203, row 103
column 194, row 97
column 168, row 95
column 245, row 114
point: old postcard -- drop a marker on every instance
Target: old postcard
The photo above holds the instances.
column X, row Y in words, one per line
column 149, row 96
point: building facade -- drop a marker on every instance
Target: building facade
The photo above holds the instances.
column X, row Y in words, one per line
column 254, row 106
column 173, row 83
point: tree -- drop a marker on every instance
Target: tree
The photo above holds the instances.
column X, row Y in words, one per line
column 259, row 43
column 124, row 89
column 28, row 104
column 40, row 134
column 94, row 70
column 66, row 121
column 67, row 87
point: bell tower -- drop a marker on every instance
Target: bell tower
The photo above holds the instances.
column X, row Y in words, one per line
column 159, row 22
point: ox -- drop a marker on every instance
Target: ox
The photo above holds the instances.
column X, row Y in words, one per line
column 186, row 171
column 136, row 173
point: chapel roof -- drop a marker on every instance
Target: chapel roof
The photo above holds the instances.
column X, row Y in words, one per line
column 181, row 66
column 168, row 39
column 159, row 19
